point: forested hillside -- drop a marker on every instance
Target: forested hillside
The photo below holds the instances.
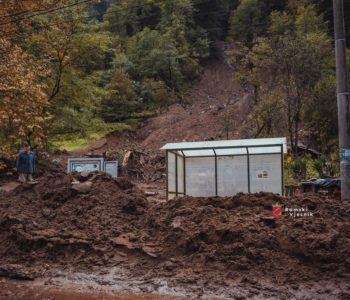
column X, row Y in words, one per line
column 71, row 70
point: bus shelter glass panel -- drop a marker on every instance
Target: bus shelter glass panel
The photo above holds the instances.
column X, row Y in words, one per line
column 171, row 173
column 232, row 175
column 200, row 176
column 266, row 173
column 180, row 175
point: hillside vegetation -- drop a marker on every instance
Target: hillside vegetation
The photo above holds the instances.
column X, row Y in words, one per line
column 76, row 70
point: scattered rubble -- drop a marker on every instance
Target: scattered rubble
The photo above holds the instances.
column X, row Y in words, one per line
column 144, row 165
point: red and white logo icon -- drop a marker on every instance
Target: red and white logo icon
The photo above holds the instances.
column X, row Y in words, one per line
column 277, row 211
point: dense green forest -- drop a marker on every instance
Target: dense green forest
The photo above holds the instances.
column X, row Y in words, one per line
column 69, row 69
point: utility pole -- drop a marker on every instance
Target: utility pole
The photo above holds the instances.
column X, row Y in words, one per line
column 342, row 98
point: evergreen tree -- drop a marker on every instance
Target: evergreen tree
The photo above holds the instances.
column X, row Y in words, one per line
column 121, row 100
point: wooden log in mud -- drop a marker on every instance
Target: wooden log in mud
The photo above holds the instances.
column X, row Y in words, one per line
column 13, row 274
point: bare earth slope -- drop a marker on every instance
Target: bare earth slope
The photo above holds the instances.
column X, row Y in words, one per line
column 201, row 116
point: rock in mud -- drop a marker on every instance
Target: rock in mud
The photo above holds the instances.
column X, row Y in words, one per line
column 82, row 187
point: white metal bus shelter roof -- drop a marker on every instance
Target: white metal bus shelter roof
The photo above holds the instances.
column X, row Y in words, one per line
column 229, row 147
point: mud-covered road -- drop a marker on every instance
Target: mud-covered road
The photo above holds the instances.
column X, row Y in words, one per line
column 38, row 291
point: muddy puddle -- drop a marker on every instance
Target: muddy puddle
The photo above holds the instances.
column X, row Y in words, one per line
column 14, row 290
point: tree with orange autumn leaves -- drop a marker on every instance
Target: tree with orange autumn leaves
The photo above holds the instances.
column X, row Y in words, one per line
column 23, row 102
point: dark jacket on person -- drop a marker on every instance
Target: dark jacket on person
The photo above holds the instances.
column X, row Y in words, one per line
column 25, row 162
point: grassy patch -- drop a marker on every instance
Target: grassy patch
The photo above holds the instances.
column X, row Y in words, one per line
column 78, row 140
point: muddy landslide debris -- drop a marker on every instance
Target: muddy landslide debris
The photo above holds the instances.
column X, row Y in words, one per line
column 99, row 221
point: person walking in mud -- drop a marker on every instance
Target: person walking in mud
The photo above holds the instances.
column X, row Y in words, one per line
column 25, row 164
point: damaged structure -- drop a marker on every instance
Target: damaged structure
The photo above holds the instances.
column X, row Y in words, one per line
column 93, row 164
column 225, row 168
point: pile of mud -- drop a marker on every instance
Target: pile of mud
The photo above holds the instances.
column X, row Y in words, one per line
column 60, row 222
column 111, row 223
column 238, row 236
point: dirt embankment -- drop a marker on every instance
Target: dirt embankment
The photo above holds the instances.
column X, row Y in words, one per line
column 204, row 113
column 104, row 222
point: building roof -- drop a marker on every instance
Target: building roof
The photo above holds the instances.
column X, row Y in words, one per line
column 229, row 147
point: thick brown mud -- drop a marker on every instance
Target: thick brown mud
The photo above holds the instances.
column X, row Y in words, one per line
column 232, row 247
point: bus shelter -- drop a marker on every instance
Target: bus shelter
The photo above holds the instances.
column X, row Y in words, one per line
column 225, row 168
